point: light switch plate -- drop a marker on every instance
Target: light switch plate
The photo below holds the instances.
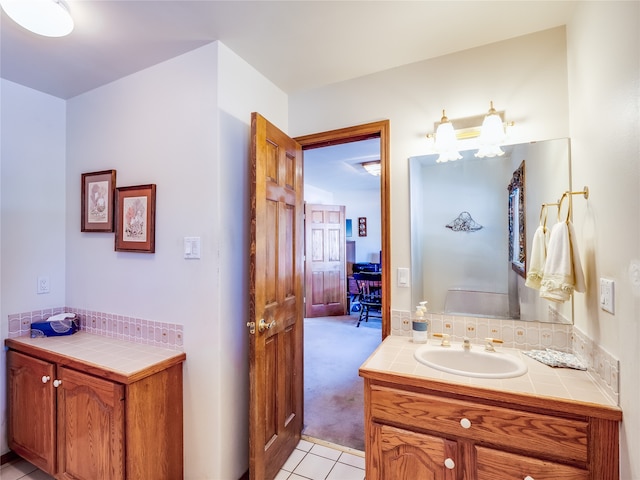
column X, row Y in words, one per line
column 607, row 297
column 403, row 277
column 191, row 247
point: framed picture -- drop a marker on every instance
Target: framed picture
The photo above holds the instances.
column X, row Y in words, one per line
column 362, row 226
column 136, row 219
column 97, row 201
column 517, row 217
column 349, row 232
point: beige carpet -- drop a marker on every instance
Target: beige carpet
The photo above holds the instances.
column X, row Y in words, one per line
column 334, row 349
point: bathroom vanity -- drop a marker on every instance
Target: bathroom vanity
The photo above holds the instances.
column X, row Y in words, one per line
column 87, row 407
column 548, row 424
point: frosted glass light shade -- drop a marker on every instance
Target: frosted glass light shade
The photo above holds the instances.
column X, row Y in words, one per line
column 446, row 142
column 50, row 18
column 491, row 136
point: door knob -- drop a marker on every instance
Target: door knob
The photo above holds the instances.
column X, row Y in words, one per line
column 262, row 326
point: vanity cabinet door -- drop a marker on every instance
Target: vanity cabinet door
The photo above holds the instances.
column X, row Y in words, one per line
column 404, row 455
column 497, row 465
column 90, row 427
column 31, row 404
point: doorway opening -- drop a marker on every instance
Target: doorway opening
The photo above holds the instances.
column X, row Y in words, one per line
column 330, row 353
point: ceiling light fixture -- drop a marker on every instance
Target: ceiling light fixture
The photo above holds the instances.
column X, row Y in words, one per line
column 491, row 135
column 446, row 142
column 50, row 18
column 372, row 167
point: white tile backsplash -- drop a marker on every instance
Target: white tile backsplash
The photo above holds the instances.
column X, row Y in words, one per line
column 147, row 332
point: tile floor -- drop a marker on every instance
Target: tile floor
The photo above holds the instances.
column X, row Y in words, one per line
column 311, row 460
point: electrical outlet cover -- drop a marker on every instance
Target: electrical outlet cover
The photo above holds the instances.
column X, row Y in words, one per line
column 607, row 295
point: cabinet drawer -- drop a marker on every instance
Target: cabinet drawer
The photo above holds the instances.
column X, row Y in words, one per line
column 497, row 465
column 528, row 432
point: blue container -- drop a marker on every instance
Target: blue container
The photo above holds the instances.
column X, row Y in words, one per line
column 56, row 326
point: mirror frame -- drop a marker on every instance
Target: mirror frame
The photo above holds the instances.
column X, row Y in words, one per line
column 517, row 220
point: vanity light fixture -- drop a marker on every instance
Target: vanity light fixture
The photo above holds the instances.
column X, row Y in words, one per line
column 50, row 18
column 446, row 142
column 491, row 135
column 372, row 167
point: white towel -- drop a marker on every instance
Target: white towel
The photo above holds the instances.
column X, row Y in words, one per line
column 537, row 258
column 562, row 271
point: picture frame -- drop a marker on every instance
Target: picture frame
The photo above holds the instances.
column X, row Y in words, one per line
column 135, row 229
column 517, row 222
column 97, row 201
column 362, row 226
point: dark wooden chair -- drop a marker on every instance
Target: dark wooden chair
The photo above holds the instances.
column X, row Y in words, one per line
column 369, row 295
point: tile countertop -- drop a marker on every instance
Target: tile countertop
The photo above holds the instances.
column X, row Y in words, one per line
column 116, row 359
column 395, row 356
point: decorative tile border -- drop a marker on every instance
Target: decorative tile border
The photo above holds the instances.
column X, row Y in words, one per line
column 602, row 366
column 137, row 330
column 514, row 333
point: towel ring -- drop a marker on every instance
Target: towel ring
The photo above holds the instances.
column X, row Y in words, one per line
column 585, row 192
column 565, row 195
column 545, row 210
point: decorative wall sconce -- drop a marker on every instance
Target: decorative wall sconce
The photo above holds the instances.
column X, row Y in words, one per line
column 489, row 129
column 372, row 167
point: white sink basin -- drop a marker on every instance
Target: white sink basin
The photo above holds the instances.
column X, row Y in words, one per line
column 476, row 362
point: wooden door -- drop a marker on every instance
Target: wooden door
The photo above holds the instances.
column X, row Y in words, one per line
column 276, row 299
column 325, row 264
column 90, row 427
column 32, row 410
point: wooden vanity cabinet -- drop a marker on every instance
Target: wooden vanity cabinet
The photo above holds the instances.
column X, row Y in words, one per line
column 417, row 428
column 83, row 423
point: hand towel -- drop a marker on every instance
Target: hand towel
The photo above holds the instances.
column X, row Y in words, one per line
column 562, row 270
column 537, row 258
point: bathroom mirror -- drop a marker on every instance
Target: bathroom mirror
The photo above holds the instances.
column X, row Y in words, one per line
column 472, row 271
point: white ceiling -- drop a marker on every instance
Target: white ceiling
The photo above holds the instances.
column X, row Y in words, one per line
column 298, row 45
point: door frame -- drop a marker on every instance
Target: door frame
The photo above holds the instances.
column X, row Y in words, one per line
column 356, row 133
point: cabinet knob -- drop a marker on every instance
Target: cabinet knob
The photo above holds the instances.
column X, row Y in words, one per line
column 449, row 463
column 529, row 477
column 466, row 423
column 45, row 378
column 57, row 383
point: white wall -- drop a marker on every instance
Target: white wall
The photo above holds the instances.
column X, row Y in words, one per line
column 184, row 125
column 525, row 76
column 604, row 84
column 363, row 203
column 32, row 218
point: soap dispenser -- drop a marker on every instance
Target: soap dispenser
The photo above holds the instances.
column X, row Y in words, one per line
column 419, row 324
